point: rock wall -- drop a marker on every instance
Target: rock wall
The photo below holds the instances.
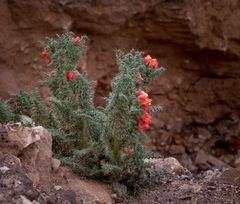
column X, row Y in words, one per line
column 197, row 41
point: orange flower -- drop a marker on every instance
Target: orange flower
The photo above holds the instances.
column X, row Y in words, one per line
column 153, row 64
column 144, row 121
column 146, row 118
column 143, row 98
column 147, row 59
column 141, row 92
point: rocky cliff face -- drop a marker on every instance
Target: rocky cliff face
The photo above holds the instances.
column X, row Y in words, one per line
column 197, row 41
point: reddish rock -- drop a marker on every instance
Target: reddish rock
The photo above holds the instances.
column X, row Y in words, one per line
column 205, row 160
column 177, row 149
column 187, row 162
column 197, row 41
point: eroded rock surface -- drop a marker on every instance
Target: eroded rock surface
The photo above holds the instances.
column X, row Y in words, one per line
column 15, row 186
column 197, row 41
column 31, row 176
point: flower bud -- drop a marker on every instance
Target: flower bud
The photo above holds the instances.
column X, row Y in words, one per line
column 77, row 40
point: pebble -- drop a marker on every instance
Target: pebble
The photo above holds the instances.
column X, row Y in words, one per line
column 4, row 169
column 57, row 188
column 114, row 195
column 55, row 164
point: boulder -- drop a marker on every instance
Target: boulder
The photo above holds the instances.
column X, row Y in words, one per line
column 31, row 166
column 33, row 146
column 16, row 138
column 37, row 158
column 169, row 165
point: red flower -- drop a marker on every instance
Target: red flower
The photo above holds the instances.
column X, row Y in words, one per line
column 143, row 98
column 143, row 126
column 48, row 61
column 147, row 59
column 144, row 121
column 44, row 54
column 153, row 63
column 140, row 80
column 77, row 40
column 146, row 118
column 70, row 75
column 143, row 93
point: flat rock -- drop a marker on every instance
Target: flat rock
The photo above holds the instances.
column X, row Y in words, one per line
column 206, row 160
column 169, row 164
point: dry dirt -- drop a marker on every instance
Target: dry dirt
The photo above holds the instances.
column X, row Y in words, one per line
column 206, row 188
